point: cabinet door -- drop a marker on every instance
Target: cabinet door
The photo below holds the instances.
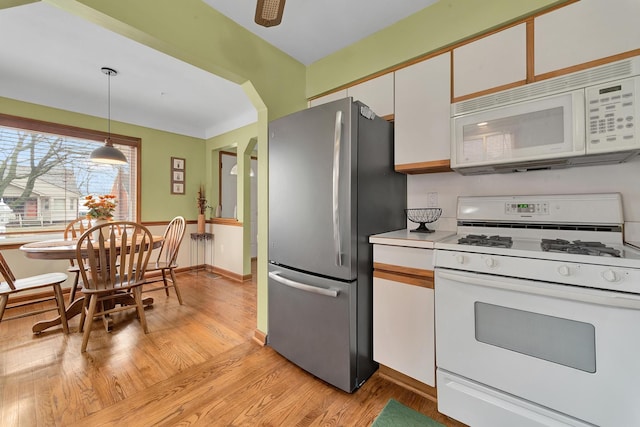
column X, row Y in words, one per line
column 328, row 98
column 585, row 31
column 491, row 62
column 422, row 104
column 376, row 93
column 403, row 328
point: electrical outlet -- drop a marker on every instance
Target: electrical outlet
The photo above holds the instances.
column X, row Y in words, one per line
column 432, row 200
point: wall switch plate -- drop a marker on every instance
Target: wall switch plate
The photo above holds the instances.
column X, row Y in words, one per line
column 432, row 200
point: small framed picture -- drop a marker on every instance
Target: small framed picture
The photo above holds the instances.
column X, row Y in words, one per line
column 178, row 175
column 178, row 188
column 178, row 163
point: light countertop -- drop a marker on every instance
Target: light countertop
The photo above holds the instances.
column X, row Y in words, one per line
column 408, row 238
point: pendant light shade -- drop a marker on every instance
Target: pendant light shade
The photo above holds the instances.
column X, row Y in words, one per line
column 234, row 171
column 269, row 12
column 108, row 153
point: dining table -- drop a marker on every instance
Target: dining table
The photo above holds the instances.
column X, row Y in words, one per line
column 60, row 249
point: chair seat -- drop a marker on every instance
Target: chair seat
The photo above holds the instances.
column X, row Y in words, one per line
column 34, row 282
column 160, row 265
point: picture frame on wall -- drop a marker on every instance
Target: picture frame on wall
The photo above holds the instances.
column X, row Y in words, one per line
column 178, row 175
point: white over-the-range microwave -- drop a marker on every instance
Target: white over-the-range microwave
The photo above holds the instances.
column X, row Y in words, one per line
column 586, row 118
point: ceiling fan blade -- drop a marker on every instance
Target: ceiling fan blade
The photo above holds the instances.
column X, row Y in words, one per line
column 269, row 12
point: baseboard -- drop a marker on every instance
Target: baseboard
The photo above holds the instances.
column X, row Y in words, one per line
column 407, row 382
column 260, row 337
column 230, row 274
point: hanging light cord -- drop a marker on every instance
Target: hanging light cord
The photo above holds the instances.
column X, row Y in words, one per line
column 109, row 106
column 109, row 72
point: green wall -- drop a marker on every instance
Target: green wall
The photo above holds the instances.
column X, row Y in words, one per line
column 157, row 202
column 439, row 25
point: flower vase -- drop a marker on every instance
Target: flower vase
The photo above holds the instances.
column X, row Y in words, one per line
column 96, row 233
column 201, row 224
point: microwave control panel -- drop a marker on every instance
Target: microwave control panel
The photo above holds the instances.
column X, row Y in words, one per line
column 612, row 116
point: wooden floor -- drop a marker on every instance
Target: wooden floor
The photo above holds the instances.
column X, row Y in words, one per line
column 197, row 366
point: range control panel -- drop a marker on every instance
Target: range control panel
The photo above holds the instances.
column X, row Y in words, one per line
column 612, row 115
column 536, row 208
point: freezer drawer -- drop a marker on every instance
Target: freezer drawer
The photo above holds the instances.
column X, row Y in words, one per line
column 312, row 322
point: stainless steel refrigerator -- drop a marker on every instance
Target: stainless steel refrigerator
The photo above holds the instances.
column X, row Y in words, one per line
column 331, row 186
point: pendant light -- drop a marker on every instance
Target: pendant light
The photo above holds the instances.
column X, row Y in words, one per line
column 108, row 153
column 269, row 12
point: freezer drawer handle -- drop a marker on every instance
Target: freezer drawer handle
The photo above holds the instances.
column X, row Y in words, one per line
column 275, row 275
column 336, row 188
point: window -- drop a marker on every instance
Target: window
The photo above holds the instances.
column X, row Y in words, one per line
column 45, row 173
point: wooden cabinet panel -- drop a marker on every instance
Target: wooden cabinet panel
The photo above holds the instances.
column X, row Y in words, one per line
column 376, row 93
column 422, row 114
column 585, row 31
column 494, row 61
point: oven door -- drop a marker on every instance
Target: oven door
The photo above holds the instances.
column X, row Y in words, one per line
column 539, row 345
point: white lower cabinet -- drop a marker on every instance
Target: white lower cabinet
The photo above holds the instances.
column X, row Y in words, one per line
column 403, row 312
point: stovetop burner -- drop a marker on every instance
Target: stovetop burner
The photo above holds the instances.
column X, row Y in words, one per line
column 578, row 247
column 483, row 240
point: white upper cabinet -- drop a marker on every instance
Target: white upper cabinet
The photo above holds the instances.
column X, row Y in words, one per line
column 492, row 61
column 585, row 31
column 328, row 98
column 376, row 93
column 422, row 101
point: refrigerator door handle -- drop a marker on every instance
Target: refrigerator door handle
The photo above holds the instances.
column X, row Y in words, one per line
column 336, row 187
column 275, row 275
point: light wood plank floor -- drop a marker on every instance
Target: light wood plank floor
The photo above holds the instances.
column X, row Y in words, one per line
column 197, row 366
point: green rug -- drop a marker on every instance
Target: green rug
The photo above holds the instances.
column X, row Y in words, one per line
column 395, row 414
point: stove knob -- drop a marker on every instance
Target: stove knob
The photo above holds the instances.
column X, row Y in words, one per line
column 610, row 276
column 564, row 270
column 460, row 259
column 490, row 262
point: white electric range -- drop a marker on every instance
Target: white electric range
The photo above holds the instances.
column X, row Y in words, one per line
column 538, row 313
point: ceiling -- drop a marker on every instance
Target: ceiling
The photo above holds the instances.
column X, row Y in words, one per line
column 58, row 59
column 311, row 30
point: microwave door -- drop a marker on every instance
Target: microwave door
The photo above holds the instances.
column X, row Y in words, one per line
column 544, row 128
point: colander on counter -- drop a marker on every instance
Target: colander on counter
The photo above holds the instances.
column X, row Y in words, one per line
column 423, row 216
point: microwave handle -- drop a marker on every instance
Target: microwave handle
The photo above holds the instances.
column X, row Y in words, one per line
column 598, row 297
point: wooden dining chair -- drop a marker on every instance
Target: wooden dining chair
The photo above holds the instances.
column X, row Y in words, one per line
column 11, row 286
column 166, row 263
column 116, row 263
column 73, row 231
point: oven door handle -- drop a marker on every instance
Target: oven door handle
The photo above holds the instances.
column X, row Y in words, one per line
column 592, row 296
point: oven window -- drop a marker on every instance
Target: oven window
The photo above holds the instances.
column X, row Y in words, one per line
column 563, row 341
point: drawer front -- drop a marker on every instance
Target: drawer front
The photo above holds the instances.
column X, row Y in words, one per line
column 410, row 258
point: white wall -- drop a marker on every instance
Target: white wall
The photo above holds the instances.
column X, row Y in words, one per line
column 620, row 178
column 227, row 252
